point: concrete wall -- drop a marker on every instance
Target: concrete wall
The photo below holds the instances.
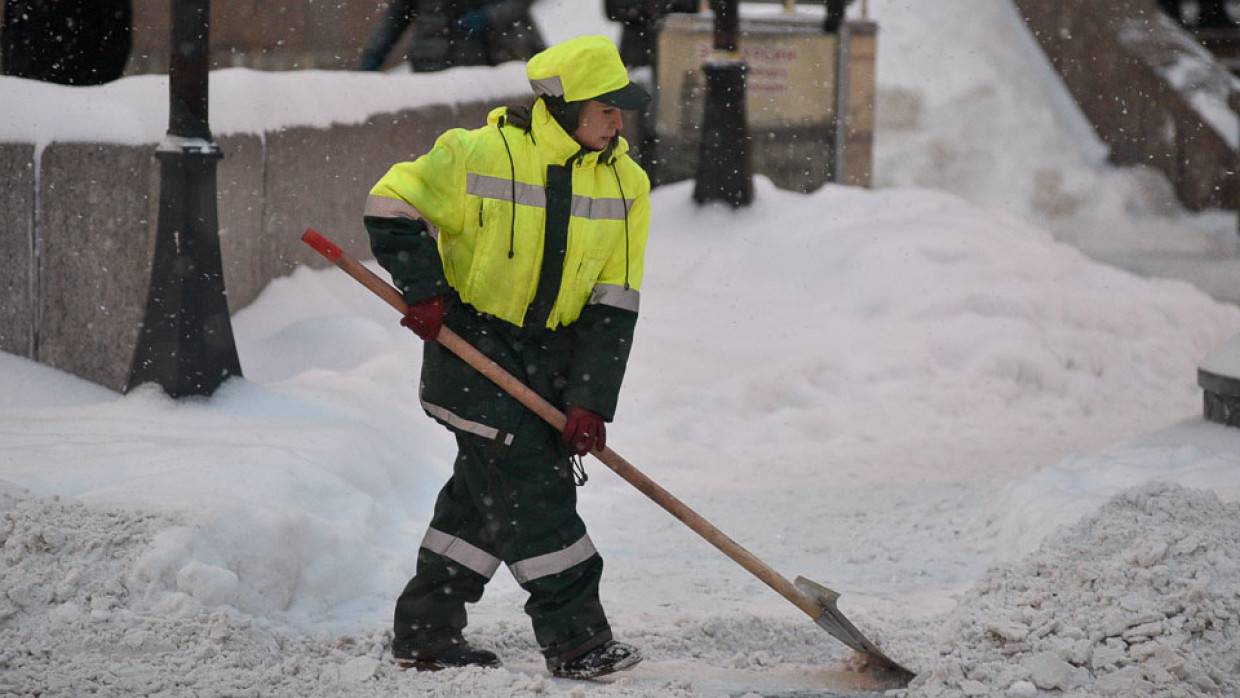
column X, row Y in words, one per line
column 1113, row 56
column 17, row 272
column 95, row 238
column 351, row 160
column 77, row 304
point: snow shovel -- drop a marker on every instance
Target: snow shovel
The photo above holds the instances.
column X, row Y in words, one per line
column 817, row 601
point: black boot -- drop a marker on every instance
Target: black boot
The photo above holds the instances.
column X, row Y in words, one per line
column 607, row 658
column 459, row 655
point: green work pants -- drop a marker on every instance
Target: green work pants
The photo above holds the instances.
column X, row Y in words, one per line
column 511, row 499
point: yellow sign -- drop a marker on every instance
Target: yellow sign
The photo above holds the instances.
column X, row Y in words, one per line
column 791, row 72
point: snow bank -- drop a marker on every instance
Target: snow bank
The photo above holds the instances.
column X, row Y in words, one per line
column 840, row 379
column 835, row 317
column 134, row 110
column 72, row 623
column 1194, row 453
column 282, row 493
column 1140, row 599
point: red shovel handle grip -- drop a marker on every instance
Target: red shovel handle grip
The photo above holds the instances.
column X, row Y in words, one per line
column 354, row 268
column 322, row 245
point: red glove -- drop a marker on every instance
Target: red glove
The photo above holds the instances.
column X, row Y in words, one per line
column 584, row 431
column 425, row 318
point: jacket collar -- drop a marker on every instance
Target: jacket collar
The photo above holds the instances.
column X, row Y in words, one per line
column 555, row 145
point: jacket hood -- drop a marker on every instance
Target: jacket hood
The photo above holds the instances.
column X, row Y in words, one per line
column 578, row 69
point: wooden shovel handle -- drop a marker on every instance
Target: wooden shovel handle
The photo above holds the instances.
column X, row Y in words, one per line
column 555, row 418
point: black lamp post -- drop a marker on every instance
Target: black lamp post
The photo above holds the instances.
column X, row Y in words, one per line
column 725, row 167
column 186, row 341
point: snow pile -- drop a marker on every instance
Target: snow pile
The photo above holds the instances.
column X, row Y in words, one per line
column 1140, row 599
column 72, row 622
column 1193, row 453
column 835, row 315
column 60, row 553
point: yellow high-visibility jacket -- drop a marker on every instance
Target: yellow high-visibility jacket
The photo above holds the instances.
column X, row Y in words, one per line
column 466, row 219
column 484, row 195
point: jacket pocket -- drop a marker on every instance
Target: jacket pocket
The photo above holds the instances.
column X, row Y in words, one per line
column 589, row 269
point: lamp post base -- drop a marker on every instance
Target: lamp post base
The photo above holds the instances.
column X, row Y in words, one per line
column 186, row 342
column 725, row 168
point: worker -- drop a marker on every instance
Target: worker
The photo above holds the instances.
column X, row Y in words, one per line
column 526, row 237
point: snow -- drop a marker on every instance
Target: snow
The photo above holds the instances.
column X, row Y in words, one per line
column 969, row 104
column 903, row 429
column 242, row 101
column 135, row 110
column 921, row 399
column 1224, row 361
column 1140, row 598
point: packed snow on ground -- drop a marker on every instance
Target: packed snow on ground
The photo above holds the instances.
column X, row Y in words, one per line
column 859, row 385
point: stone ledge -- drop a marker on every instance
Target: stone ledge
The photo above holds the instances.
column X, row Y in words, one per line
column 17, row 274
column 77, row 306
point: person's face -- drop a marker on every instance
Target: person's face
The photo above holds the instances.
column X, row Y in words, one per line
column 598, row 124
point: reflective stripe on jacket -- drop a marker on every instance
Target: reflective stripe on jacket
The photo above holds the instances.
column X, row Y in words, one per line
column 483, row 192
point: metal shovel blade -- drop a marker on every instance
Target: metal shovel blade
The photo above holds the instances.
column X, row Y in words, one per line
column 834, row 622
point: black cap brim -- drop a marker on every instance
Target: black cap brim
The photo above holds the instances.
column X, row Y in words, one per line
column 631, row 96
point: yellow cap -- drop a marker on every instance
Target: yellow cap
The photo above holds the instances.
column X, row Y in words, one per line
column 587, row 67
